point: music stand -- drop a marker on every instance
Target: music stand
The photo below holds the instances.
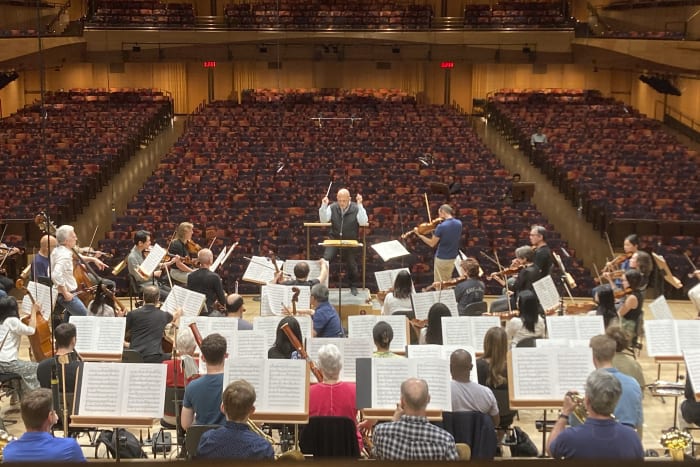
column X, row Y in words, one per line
column 345, row 244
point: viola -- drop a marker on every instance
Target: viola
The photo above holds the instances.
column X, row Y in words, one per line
column 445, row 284
column 425, row 228
column 616, row 262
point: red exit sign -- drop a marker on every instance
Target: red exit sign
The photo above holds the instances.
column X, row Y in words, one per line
column 447, row 64
column 209, row 64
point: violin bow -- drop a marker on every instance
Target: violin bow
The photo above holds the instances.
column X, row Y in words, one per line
column 505, row 280
column 607, row 239
column 690, row 261
column 94, row 233
column 427, row 206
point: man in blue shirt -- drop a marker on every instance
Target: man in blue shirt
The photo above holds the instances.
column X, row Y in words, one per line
column 446, row 237
column 325, row 318
column 38, row 444
column 235, row 440
column 600, row 437
column 201, row 404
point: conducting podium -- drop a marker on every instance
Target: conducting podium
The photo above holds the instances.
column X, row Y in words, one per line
column 339, row 243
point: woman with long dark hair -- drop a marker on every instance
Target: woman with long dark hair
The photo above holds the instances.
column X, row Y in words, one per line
column 630, row 310
column 432, row 332
column 606, row 305
column 529, row 323
column 283, row 348
column 400, row 298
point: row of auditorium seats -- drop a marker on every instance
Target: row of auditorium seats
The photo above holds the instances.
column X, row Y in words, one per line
column 681, row 253
column 224, row 175
column 517, row 15
column 58, row 162
column 632, row 4
column 142, row 13
column 316, row 14
column 658, row 35
column 600, row 152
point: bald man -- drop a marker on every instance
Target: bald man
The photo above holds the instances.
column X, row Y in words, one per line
column 346, row 218
column 207, row 282
column 469, row 395
column 40, row 263
column 235, row 308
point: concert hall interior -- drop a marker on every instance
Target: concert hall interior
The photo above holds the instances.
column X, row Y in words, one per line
column 521, row 140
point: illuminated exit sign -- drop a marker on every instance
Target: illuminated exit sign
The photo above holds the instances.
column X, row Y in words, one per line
column 447, row 65
column 209, row 64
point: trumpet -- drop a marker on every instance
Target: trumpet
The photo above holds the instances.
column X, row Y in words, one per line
column 258, row 431
column 580, row 411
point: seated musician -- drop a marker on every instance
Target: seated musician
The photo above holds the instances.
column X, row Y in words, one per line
column 432, row 332
column 622, row 360
column 326, row 320
column 529, row 323
column 11, row 330
column 606, row 306
column 492, row 372
column 65, row 336
column 383, row 334
column 469, row 395
column 689, row 408
column 142, row 243
column 181, row 247
column 103, row 305
column 399, row 299
column 528, row 273
column 332, row 397
column 187, row 369
column 301, row 275
column 471, row 290
column 147, row 326
column 202, row 402
column 208, row 283
column 282, row 347
column 630, row 310
column 694, row 292
column 235, row 308
column 235, row 440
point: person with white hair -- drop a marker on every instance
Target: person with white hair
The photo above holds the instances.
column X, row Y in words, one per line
column 333, row 397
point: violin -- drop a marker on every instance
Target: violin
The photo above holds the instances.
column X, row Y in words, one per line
column 425, row 228
column 509, row 271
column 616, row 262
column 192, row 247
column 445, row 284
column 619, row 293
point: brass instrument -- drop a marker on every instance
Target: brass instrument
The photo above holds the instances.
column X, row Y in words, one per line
column 580, row 411
column 258, row 431
column 119, row 267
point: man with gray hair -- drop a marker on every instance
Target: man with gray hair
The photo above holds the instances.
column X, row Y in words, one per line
column 528, row 274
column 446, row 237
column 324, row 316
column 601, row 436
column 411, row 436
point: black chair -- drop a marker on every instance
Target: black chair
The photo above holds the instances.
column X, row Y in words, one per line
column 172, row 407
column 131, row 356
column 527, row 342
column 410, row 315
column 10, row 385
column 330, row 437
column 475, row 309
column 194, row 433
column 473, row 428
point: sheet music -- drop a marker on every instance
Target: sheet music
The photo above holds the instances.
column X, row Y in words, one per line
column 260, row 270
column 249, row 344
column 190, row 301
column 480, row 326
column 574, row 327
column 43, row 295
column 589, row 326
column 314, row 268
column 122, row 389
column 272, row 296
column 467, row 330
column 661, row 338
column 390, row 250
column 660, row 309
column 442, row 352
column 540, row 374
column 688, row 332
column 99, row 334
column 268, row 326
column 249, row 369
column 385, row 279
column 350, row 348
column 692, row 365
column 210, row 324
column 219, row 258
column 152, row 261
column 436, row 372
column 562, row 342
column 387, row 376
column 422, row 302
column 362, row 325
column 547, row 293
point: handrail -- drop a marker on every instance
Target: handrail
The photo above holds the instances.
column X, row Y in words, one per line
column 678, row 116
column 57, row 17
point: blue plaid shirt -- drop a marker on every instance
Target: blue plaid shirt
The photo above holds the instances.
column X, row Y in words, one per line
column 233, row 441
column 413, row 438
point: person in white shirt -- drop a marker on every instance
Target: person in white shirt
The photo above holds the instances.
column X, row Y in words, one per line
column 11, row 332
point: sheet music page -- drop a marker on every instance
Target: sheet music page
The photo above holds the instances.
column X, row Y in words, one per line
column 385, row 279
column 589, row 326
column 534, row 377
column 268, row 326
column 480, row 326
column 399, row 324
column 436, row 372
column 351, row 349
column 249, row 344
column 660, row 309
column 688, row 332
column 260, row 270
column 458, row 330
column 573, row 365
column 447, row 297
column 552, row 342
column 43, row 295
column 424, row 351
column 152, row 261
column 190, row 301
column 547, row 293
column 576, row 342
column 249, row 369
column 219, row 258
column 273, row 296
column 286, row 387
column 144, row 390
column 314, row 268
column 362, row 325
column 101, row 389
column 387, row 377
column 422, row 301
column 390, row 250
column 661, row 338
column 561, row 327
column 692, row 365
column 99, row 334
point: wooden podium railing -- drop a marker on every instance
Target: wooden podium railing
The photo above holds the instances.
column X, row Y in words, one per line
column 363, row 228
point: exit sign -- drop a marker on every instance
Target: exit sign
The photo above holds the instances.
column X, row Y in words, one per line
column 447, row 64
column 209, row 64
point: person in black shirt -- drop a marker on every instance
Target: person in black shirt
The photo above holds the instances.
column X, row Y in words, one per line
column 283, row 348
column 178, row 247
column 65, row 337
column 207, row 282
column 147, row 324
column 301, row 275
column 543, row 254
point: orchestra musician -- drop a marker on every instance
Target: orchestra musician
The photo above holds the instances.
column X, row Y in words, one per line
column 235, row 308
column 446, row 237
column 62, row 273
column 399, row 298
column 208, row 283
column 529, row 323
column 694, row 293
column 630, row 309
column 528, row 273
column 147, row 325
column 6, row 284
column 202, row 401
column 282, row 348
column 11, row 331
column 142, row 242
column 181, row 247
column 345, row 218
column 383, row 334
column 301, row 275
column 65, row 336
column 543, row 254
column 470, row 290
column 432, row 332
column 40, row 263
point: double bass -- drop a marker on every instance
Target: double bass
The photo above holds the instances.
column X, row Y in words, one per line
column 40, row 342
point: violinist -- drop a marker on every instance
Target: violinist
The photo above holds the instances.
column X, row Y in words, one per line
column 471, row 290
column 543, row 254
column 399, row 299
column 346, row 218
column 630, row 310
column 446, row 237
column 528, row 274
column 181, row 247
column 62, row 273
column 641, row 260
column 301, row 275
column 622, row 262
column 40, row 263
column 207, row 282
column 102, row 305
column 142, row 242
column 12, row 330
column 6, row 284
